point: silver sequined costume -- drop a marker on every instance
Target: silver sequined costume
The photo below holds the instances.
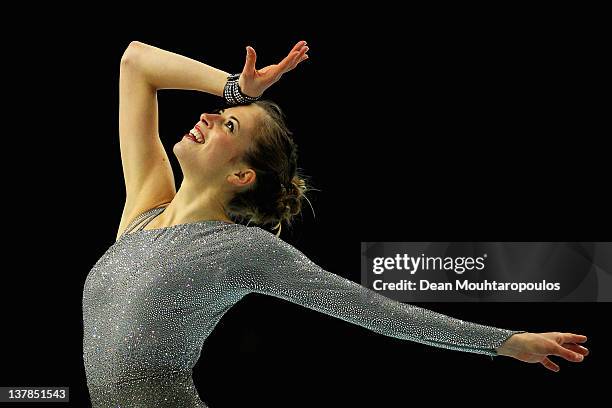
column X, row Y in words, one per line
column 155, row 295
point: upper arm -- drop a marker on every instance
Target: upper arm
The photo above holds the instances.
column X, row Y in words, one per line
column 149, row 181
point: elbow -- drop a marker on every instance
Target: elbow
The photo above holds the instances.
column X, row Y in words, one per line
column 130, row 56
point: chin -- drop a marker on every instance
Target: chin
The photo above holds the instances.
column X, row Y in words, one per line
column 180, row 153
column 179, row 148
column 174, row 148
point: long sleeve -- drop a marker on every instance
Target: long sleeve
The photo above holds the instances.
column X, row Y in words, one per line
column 273, row 267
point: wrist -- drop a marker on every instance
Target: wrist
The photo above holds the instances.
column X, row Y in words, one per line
column 233, row 94
column 244, row 89
column 508, row 347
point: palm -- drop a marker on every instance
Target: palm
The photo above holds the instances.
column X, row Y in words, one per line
column 269, row 73
column 253, row 82
column 530, row 357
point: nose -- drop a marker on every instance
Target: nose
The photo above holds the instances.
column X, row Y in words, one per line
column 209, row 118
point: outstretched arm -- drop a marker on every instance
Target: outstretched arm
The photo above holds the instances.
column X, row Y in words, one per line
column 273, row 267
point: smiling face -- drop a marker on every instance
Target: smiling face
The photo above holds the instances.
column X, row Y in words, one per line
column 212, row 149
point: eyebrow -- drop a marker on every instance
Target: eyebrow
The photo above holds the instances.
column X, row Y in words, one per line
column 237, row 121
column 231, row 117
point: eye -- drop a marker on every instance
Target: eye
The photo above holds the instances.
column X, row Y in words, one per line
column 230, row 125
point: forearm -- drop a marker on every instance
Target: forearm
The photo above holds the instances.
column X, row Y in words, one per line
column 163, row 69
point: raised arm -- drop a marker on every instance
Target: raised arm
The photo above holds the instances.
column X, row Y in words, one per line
column 149, row 181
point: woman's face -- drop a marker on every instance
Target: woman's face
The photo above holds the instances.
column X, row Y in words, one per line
column 210, row 152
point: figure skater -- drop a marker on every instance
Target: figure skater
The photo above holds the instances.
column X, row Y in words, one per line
column 183, row 258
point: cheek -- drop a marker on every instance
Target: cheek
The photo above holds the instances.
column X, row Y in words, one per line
column 228, row 145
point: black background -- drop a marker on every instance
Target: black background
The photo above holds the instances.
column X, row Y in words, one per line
column 438, row 125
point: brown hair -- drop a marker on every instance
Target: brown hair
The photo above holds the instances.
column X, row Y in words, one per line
column 276, row 195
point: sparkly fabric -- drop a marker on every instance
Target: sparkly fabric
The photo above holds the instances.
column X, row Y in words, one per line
column 155, row 295
column 233, row 94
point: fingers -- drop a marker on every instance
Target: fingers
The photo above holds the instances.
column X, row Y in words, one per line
column 576, row 348
column 297, row 46
column 297, row 55
column 573, row 338
column 249, row 65
column 566, row 353
column 549, row 364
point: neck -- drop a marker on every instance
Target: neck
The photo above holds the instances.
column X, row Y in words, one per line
column 192, row 204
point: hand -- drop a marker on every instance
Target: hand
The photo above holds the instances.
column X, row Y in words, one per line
column 254, row 82
column 535, row 347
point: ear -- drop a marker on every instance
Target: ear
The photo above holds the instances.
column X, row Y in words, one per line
column 242, row 178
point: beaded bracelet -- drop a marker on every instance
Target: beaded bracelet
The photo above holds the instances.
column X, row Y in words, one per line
column 233, row 94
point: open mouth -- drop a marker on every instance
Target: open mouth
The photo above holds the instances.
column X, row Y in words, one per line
column 191, row 137
column 197, row 135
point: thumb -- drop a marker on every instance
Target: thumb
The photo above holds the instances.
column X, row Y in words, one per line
column 251, row 57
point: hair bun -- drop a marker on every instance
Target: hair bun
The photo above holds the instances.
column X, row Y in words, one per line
column 290, row 202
